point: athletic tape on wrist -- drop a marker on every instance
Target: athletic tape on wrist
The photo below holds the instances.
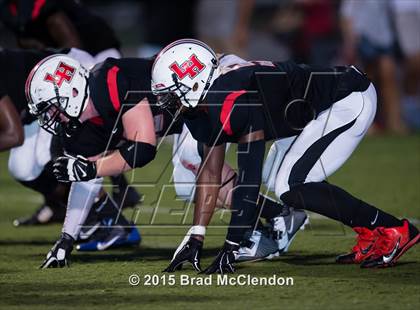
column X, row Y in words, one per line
column 198, row 230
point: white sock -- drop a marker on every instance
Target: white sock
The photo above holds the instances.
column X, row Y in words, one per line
column 81, row 198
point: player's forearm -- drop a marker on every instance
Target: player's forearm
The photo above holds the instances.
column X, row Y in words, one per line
column 11, row 130
column 207, row 193
column 112, row 164
column 9, row 139
column 63, row 31
column 208, row 184
column 228, row 183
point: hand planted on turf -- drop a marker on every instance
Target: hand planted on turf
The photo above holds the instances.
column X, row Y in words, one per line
column 187, row 252
column 59, row 255
column 74, row 169
column 223, row 263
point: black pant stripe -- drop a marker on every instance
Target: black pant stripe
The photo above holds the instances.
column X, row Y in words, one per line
column 304, row 164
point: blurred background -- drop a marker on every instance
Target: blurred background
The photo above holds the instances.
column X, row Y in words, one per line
column 380, row 36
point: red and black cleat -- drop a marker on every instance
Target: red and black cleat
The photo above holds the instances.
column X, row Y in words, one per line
column 362, row 250
column 391, row 244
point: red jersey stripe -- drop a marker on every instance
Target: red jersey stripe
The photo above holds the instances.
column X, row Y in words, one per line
column 97, row 120
column 38, row 4
column 113, row 88
column 227, row 109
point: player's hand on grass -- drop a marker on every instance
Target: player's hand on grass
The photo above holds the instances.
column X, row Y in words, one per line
column 59, row 255
column 223, row 262
column 74, row 169
column 187, row 252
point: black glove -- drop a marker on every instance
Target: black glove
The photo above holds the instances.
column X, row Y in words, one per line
column 74, row 169
column 190, row 252
column 224, row 260
column 59, row 255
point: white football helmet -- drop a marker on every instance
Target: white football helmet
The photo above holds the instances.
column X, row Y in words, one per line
column 56, row 86
column 184, row 71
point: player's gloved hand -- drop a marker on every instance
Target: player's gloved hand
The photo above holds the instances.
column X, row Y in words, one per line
column 59, row 255
column 223, row 262
column 189, row 251
column 74, row 169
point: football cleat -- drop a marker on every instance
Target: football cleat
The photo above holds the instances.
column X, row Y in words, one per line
column 94, row 218
column 112, row 235
column 391, row 244
column 187, row 252
column 43, row 215
column 104, row 210
column 286, row 226
column 59, row 255
column 258, row 246
column 363, row 248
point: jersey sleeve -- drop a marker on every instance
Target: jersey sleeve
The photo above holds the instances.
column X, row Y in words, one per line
column 239, row 114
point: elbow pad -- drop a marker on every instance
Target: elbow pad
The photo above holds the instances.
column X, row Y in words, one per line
column 137, row 154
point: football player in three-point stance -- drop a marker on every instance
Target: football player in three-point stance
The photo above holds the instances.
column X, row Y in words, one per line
column 326, row 110
column 83, row 108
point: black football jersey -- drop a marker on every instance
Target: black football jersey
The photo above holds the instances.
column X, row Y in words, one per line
column 28, row 20
column 117, row 85
column 279, row 98
column 15, row 65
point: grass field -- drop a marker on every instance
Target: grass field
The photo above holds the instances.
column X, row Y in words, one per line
column 384, row 171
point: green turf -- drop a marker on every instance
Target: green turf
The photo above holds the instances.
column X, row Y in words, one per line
column 384, row 170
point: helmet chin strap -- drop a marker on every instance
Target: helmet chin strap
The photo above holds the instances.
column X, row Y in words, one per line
column 71, row 127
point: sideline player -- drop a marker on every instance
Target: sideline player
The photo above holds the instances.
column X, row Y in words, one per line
column 59, row 24
column 328, row 110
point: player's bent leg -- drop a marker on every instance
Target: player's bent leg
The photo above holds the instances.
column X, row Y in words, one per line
column 123, row 194
column 29, row 165
column 55, row 197
column 81, row 198
column 327, row 141
column 312, row 159
column 274, row 159
column 22, row 160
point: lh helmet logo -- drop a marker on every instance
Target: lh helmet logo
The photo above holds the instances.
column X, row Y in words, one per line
column 63, row 73
column 190, row 67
